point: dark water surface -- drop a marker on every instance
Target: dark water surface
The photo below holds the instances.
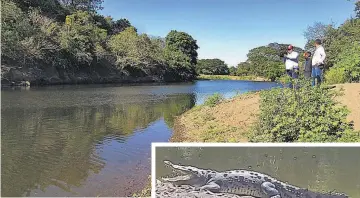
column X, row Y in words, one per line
column 318, row 169
column 92, row 140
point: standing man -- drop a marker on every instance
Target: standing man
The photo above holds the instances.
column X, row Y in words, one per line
column 291, row 62
column 307, row 65
column 318, row 62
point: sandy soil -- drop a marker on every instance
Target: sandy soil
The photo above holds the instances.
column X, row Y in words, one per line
column 351, row 99
column 164, row 190
column 229, row 121
column 226, row 122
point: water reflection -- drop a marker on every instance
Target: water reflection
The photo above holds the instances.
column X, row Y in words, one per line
column 59, row 145
column 92, row 140
column 319, row 169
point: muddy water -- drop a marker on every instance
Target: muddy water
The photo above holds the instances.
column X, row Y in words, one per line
column 92, row 140
column 319, row 169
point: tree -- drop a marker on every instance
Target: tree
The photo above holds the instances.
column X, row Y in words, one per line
column 266, row 61
column 243, row 69
column 357, row 9
column 212, row 67
column 81, row 37
column 38, row 35
column 232, row 71
column 135, row 51
column 120, row 25
column 183, row 42
column 317, row 31
column 85, row 5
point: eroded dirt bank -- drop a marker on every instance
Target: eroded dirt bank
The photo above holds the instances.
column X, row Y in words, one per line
column 226, row 122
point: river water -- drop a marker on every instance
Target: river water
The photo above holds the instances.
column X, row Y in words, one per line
column 92, row 140
column 318, row 169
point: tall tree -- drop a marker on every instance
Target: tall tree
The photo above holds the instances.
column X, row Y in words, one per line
column 212, row 67
column 86, row 5
column 183, row 42
column 317, row 31
column 120, row 25
column 357, row 9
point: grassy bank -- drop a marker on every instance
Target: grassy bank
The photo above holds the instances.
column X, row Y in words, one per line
column 277, row 115
column 228, row 77
column 240, row 119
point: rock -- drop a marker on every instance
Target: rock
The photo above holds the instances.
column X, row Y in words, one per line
column 164, row 190
column 21, row 84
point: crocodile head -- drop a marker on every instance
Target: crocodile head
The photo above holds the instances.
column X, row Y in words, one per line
column 186, row 175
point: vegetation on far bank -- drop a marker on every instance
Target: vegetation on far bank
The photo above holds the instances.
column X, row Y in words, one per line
column 72, row 38
column 228, row 77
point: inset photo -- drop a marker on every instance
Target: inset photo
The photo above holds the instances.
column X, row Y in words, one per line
column 261, row 170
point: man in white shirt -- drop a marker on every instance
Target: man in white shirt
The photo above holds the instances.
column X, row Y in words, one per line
column 318, row 62
column 292, row 62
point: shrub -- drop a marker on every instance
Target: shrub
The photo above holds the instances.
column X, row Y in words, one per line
column 335, row 76
column 213, row 100
column 347, row 67
column 306, row 114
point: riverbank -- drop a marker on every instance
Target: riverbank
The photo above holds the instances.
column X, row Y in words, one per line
column 101, row 75
column 228, row 77
column 231, row 120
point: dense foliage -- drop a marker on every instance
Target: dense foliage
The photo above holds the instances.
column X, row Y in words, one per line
column 265, row 61
column 307, row 114
column 342, row 48
column 72, row 36
column 212, row 67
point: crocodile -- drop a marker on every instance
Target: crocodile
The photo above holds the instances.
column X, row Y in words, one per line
column 240, row 182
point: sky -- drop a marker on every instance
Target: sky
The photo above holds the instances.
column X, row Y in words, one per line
column 228, row 29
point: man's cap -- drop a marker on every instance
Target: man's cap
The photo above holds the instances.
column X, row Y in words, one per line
column 290, row 47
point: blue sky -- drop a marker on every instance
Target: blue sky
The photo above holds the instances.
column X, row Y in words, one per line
column 228, row 29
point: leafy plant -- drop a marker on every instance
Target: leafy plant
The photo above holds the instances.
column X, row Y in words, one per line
column 335, row 76
column 306, row 114
column 213, row 100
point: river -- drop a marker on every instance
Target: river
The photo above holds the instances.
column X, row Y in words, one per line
column 92, row 140
column 318, row 169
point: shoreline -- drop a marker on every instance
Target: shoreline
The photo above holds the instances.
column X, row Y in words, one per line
column 105, row 84
column 231, row 119
column 138, row 81
column 229, row 77
column 237, row 114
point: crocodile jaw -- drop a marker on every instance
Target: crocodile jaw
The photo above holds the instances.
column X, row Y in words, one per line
column 178, row 178
column 185, row 176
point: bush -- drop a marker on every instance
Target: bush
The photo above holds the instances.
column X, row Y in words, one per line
column 335, row 76
column 306, row 114
column 214, row 100
column 347, row 67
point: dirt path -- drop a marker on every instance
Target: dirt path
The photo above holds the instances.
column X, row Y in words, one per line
column 351, row 99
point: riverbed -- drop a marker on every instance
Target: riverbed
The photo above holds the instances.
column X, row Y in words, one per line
column 92, row 140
